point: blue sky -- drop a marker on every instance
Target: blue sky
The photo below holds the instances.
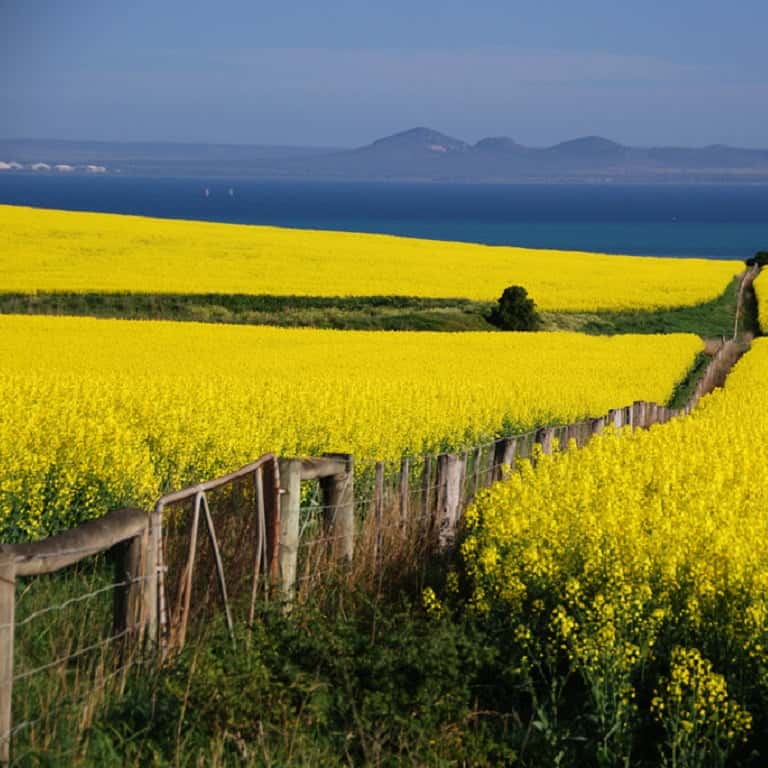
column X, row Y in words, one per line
column 344, row 73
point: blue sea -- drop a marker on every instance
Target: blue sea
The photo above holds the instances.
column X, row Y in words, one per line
column 711, row 221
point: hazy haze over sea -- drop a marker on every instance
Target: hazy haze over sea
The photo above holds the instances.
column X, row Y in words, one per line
column 687, row 220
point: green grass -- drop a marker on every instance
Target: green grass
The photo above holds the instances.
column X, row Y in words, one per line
column 686, row 387
column 712, row 319
column 350, row 313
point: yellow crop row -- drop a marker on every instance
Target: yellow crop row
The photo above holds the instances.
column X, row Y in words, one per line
column 642, row 560
column 102, row 412
column 46, row 250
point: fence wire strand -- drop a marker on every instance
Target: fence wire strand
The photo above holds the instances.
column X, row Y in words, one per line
column 73, row 601
column 80, row 652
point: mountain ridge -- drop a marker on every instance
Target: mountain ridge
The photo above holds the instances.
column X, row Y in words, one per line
column 420, row 153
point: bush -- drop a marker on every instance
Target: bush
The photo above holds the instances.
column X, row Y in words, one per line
column 760, row 258
column 516, row 311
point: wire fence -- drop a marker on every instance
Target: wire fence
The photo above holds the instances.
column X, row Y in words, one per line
column 224, row 547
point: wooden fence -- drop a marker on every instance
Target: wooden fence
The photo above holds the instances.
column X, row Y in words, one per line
column 221, row 545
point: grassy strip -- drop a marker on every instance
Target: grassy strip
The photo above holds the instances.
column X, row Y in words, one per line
column 712, row 319
column 342, row 312
column 685, row 388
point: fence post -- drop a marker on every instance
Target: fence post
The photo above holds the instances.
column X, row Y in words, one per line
column 290, row 507
column 585, row 433
column 405, row 472
column 339, row 500
column 545, row 437
column 426, row 496
column 476, row 456
column 271, row 485
column 7, row 627
column 131, row 571
column 152, row 595
column 598, row 425
column 450, row 471
column 378, row 504
column 504, row 455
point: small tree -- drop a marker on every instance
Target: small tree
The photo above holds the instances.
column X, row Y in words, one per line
column 760, row 258
column 516, row 311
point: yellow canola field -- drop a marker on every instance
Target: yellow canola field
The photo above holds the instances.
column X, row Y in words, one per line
column 644, row 553
column 761, row 290
column 47, row 250
column 102, row 412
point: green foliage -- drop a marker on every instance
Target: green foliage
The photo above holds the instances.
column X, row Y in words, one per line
column 516, row 311
column 760, row 258
column 340, row 312
column 367, row 685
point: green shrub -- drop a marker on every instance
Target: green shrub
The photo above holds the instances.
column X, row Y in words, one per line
column 515, row 311
column 760, row 259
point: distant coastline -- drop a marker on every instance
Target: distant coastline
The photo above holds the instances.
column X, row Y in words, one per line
column 415, row 155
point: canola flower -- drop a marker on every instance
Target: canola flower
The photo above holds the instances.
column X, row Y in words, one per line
column 49, row 250
column 643, row 551
column 98, row 413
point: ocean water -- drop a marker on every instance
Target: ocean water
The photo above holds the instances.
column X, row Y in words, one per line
column 710, row 221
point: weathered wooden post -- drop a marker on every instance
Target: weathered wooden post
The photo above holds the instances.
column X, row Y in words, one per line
column 503, row 455
column 426, row 495
column 585, row 433
column 545, row 437
column 130, row 610
column 450, row 476
column 270, row 479
column 405, row 472
column 338, row 492
column 598, row 425
column 378, row 508
column 153, row 595
column 290, row 508
column 7, row 628
column 476, row 471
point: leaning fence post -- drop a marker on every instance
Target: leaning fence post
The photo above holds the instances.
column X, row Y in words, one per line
column 290, row 507
column 7, row 627
column 339, row 498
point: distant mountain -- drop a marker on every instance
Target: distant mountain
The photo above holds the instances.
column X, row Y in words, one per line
column 418, row 140
column 501, row 145
column 416, row 154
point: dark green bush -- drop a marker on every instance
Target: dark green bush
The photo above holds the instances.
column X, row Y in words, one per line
column 760, row 258
column 515, row 311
